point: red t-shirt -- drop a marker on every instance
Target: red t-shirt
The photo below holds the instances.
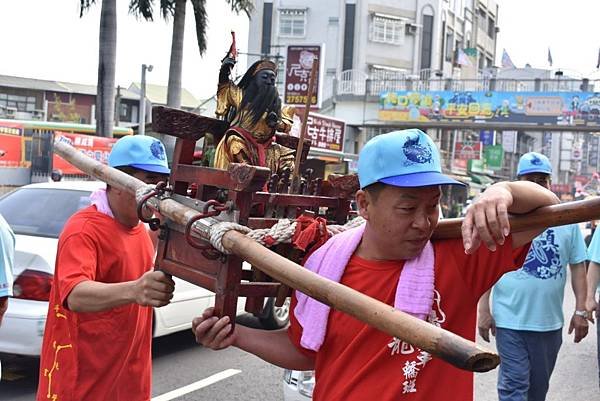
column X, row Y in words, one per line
column 357, row 362
column 97, row 355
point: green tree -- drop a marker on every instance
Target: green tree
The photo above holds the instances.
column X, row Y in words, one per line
column 69, row 115
column 176, row 8
column 107, row 60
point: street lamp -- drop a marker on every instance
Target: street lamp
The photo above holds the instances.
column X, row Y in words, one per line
column 142, row 125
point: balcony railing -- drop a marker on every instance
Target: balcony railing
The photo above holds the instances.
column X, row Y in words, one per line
column 358, row 83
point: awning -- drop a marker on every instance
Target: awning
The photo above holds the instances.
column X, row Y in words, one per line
column 481, row 179
column 330, row 156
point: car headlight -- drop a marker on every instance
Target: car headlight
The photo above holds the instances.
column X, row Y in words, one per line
column 306, row 383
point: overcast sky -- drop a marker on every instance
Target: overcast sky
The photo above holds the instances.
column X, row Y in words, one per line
column 47, row 39
column 570, row 28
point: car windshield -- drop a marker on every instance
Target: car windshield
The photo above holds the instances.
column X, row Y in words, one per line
column 41, row 212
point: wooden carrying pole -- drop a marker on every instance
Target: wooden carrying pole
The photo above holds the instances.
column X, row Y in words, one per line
column 548, row 216
column 441, row 343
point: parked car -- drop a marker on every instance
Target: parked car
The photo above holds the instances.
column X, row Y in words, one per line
column 298, row 385
column 37, row 214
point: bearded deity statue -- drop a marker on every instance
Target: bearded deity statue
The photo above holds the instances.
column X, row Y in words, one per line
column 253, row 109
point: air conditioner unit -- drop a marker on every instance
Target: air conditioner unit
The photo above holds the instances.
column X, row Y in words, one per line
column 11, row 112
column 411, row 28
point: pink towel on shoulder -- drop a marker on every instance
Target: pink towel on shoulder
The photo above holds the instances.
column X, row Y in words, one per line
column 414, row 293
column 100, row 200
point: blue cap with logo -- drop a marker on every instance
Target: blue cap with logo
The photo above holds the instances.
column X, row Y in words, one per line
column 139, row 151
column 534, row 162
column 406, row 158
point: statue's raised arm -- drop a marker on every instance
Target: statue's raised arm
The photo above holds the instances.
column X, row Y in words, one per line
column 253, row 109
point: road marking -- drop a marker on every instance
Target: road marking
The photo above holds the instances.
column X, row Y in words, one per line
column 197, row 385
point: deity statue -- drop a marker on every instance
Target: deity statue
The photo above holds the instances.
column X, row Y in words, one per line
column 253, row 109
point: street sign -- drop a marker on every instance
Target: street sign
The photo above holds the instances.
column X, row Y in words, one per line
column 486, row 137
column 467, row 150
column 298, row 64
column 494, row 156
column 324, row 132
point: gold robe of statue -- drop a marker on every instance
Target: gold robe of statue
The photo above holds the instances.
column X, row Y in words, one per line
column 235, row 149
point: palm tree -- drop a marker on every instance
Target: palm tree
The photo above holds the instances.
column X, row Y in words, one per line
column 105, row 98
column 176, row 8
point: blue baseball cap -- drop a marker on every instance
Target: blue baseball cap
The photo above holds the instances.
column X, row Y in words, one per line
column 534, row 162
column 406, row 158
column 139, row 151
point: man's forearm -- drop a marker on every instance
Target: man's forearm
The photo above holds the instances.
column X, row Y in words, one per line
column 579, row 284
column 593, row 278
column 274, row 347
column 92, row 296
column 484, row 302
column 528, row 196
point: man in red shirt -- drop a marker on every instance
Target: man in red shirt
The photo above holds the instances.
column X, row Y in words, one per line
column 97, row 341
column 392, row 259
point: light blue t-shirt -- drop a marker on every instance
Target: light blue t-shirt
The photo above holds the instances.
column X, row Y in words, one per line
column 594, row 250
column 531, row 298
column 7, row 258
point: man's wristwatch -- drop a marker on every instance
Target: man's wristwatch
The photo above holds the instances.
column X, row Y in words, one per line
column 582, row 313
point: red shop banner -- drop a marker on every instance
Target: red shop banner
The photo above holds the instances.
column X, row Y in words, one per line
column 467, row 151
column 11, row 150
column 298, row 64
column 95, row 147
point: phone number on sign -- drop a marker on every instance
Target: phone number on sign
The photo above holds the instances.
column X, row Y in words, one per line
column 299, row 99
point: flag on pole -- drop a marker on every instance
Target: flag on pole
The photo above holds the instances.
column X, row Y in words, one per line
column 232, row 49
column 463, row 59
column 598, row 62
column 506, row 61
column 549, row 57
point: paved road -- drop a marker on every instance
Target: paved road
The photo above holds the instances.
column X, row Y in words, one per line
column 575, row 377
column 179, row 362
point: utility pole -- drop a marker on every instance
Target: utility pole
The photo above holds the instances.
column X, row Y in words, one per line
column 118, row 106
column 142, row 124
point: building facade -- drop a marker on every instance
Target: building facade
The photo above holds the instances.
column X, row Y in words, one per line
column 36, row 99
column 370, row 46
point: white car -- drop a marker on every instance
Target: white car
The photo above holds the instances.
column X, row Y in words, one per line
column 37, row 214
column 298, row 385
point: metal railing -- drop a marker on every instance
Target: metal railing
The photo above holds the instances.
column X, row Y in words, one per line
column 358, row 83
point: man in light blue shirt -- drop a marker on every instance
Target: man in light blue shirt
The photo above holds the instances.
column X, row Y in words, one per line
column 593, row 287
column 527, row 304
column 7, row 257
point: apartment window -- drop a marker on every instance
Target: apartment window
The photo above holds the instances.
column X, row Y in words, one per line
column 21, row 103
column 491, row 28
column 482, row 19
column 383, row 73
column 267, row 22
column 459, row 45
column 449, row 46
column 124, row 112
column 387, row 30
column 292, row 23
column 426, row 41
